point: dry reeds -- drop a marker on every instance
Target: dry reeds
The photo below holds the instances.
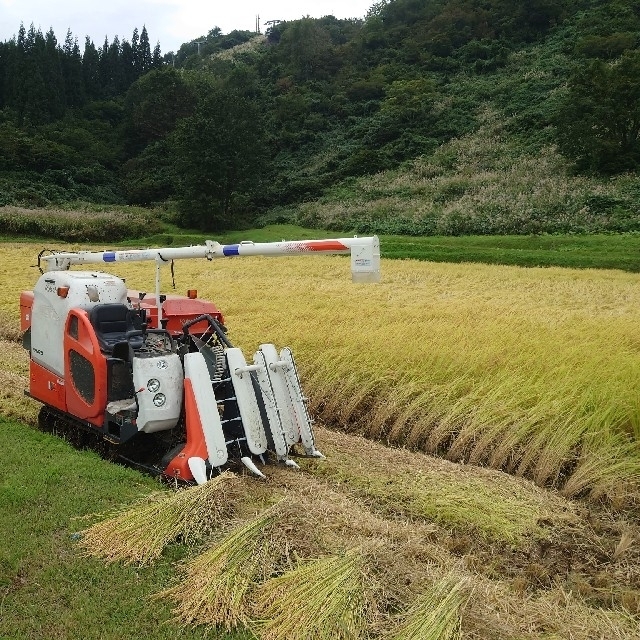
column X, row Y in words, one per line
column 493, row 188
column 215, row 584
column 322, row 599
column 138, row 534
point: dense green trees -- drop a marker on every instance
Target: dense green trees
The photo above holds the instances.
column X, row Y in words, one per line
column 220, row 151
column 40, row 80
column 599, row 121
column 61, row 116
column 227, row 133
column 153, row 106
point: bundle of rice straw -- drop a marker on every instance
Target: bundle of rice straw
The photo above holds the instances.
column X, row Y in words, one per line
column 215, row 584
column 435, row 615
column 319, row 600
column 138, row 534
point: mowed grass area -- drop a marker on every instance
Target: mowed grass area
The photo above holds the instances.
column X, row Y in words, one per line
column 151, row 228
column 47, row 589
column 597, row 251
column 615, row 251
column 471, row 362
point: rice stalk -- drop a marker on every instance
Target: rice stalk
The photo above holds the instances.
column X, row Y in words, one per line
column 215, row 584
column 435, row 614
column 486, row 504
column 139, row 534
column 322, row 599
column 495, row 611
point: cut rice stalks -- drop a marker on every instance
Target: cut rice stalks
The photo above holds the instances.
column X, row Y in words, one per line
column 319, row 600
column 215, row 584
column 435, row 615
column 139, row 534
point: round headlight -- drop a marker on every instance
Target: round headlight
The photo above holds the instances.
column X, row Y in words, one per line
column 153, row 385
column 159, row 399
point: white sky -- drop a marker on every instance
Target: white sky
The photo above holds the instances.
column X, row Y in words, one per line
column 172, row 22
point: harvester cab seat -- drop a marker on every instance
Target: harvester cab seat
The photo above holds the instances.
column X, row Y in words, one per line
column 115, row 323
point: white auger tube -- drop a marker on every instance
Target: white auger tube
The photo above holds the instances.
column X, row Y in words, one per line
column 365, row 254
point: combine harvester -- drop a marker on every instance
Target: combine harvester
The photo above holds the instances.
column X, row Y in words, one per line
column 156, row 376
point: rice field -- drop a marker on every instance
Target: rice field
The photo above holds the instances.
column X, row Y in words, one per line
column 530, row 371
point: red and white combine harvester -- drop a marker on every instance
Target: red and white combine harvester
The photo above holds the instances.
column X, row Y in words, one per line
column 156, row 375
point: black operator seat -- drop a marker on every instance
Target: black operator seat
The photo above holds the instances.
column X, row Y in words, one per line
column 112, row 323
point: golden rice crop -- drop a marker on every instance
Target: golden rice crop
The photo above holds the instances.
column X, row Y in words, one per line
column 322, row 599
column 529, row 370
column 139, row 533
column 216, row 583
column 481, row 502
column 435, row 614
column 533, row 371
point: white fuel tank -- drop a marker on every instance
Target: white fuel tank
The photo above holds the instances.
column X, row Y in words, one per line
column 55, row 293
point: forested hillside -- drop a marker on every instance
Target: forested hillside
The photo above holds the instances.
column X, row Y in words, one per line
column 447, row 116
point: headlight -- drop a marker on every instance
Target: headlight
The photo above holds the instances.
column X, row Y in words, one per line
column 159, row 399
column 153, row 385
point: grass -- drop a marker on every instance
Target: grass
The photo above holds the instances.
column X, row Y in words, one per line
column 613, row 251
column 574, row 250
column 586, row 251
column 47, row 590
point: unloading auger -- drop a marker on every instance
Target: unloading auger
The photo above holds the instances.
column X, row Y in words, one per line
column 156, row 376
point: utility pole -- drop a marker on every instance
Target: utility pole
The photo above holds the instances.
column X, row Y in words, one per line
column 199, row 42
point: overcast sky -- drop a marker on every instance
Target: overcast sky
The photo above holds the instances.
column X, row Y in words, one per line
column 172, row 22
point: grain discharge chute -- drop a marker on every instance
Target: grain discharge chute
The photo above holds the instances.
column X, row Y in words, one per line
column 155, row 375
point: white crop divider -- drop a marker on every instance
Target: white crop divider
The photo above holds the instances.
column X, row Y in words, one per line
column 195, row 369
column 299, row 402
column 271, row 406
column 281, row 393
column 246, row 399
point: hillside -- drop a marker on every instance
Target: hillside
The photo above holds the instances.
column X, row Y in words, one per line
column 448, row 117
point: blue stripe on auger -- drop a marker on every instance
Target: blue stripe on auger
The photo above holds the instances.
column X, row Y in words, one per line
column 231, row 250
column 109, row 256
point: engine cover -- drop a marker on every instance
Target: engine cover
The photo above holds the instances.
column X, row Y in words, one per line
column 158, row 382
